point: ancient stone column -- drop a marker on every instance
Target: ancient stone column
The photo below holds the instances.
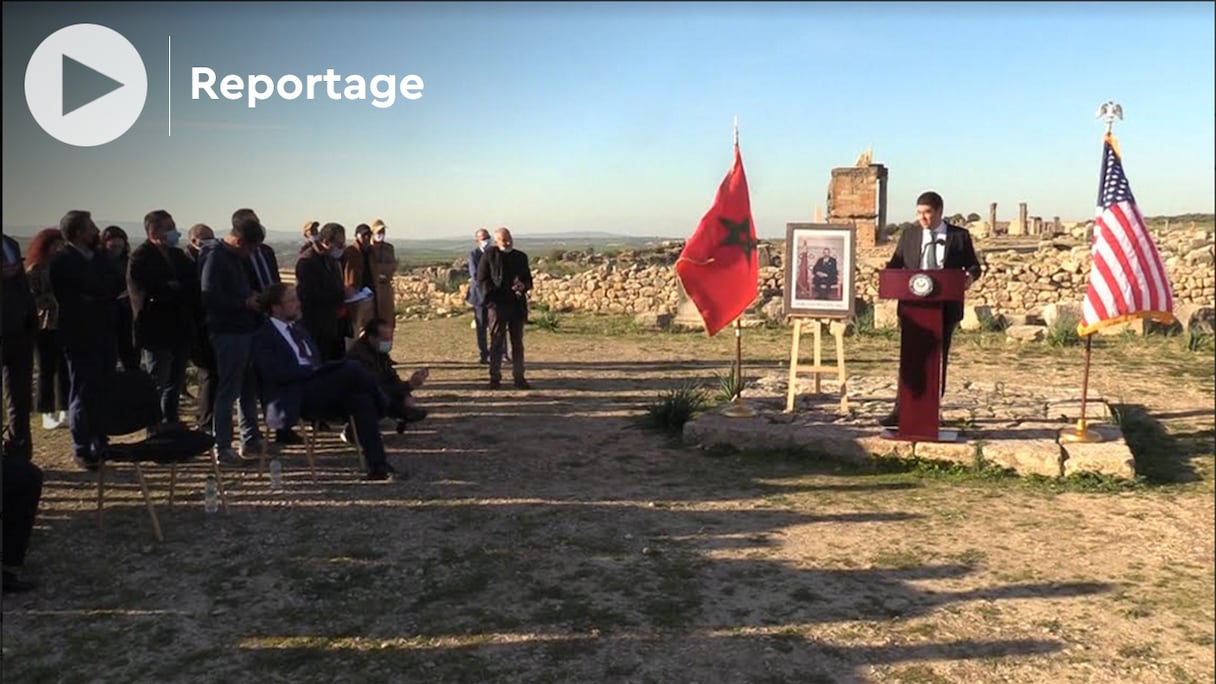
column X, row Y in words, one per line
column 1055, row 225
column 1022, row 218
column 992, row 218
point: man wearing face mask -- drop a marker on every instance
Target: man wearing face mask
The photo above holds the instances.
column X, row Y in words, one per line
column 323, row 293
column 202, row 241
column 474, row 296
column 233, row 316
column 164, row 287
column 371, row 350
column 86, row 287
column 505, row 279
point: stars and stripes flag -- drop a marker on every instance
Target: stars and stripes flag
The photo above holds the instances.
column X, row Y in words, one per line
column 1127, row 279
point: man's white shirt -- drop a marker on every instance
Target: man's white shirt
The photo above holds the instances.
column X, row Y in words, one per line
column 281, row 326
column 938, row 234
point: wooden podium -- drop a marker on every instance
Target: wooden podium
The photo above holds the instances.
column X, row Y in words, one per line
column 922, row 295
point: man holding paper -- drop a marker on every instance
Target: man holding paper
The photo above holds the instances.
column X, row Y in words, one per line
column 323, row 293
column 358, row 274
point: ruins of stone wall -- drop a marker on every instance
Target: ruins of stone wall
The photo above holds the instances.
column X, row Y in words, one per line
column 857, row 196
column 1015, row 281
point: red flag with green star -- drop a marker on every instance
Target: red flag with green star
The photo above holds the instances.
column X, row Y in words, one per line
column 719, row 267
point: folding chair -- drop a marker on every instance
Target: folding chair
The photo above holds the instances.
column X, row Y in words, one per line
column 310, row 441
column 133, row 405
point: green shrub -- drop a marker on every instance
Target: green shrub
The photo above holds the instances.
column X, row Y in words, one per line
column 674, row 408
column 1063, row 333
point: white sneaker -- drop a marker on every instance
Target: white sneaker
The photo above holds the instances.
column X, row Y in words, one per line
column 63, row 418
column 50, row 422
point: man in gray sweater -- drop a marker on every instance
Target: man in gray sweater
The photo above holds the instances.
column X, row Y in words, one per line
column 233, row 315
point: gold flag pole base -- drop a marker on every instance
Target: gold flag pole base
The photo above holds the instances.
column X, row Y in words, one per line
column 738, row 409
column 1082, row 435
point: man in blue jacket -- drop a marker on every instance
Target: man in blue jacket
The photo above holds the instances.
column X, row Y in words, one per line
column 474, row 297
column 296, row 382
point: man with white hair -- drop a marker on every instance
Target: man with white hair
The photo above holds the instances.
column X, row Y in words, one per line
column 504, row 279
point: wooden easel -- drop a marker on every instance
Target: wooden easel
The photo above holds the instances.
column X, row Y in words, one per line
column 817, row 370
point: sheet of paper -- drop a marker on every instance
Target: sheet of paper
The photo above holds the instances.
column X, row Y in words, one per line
column 359, row 296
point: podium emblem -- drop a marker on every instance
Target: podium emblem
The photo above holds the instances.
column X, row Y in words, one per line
column 920, row 285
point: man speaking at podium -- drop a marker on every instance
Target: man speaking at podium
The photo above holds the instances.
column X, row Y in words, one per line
column 935, row 244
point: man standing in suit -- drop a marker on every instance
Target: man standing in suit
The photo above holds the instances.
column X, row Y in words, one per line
column 20, row 326
column 202, row 241
column 935, row 244
column 164, row 288
column 474, row 297
column 323, row 293
column 263, row 265
column 86, row 286
column 296, row 382
column 505, row 279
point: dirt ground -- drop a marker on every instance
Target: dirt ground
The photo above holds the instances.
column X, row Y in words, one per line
column 542, row 537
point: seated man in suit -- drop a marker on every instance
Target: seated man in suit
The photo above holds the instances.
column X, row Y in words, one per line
column 295, row 382
column 371, row 351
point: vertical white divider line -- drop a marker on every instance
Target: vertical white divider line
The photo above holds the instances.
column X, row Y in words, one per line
column 170, row 85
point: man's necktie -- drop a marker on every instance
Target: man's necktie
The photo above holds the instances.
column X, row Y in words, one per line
column 301, row 342
column 931, row 256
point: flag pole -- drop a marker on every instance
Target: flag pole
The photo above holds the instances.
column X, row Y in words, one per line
column 1108, row 112
column 737, row 408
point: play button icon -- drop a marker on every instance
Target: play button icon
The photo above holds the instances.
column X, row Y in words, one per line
column 82, row 85
column 86, row 85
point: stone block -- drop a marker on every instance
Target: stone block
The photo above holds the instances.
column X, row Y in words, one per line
column 1025, row 456
column 1196, row 317
column 877, row 445
column 1027, row 333
column 954, row 452
column 653, row 321
column 1112, row 457
column 976, row 316
column 1053, row 312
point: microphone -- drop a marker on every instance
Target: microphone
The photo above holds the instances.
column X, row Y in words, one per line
column 933, row 244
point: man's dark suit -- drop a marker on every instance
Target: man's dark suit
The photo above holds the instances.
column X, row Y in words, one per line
column 322, row 390
column 322, row 294
column 20, row 326
column 261, row 266
column 824, row 276
column 86, row 290
column 959, row 254
column 477, row 301
column 164, row 286
column 202, row 355
column 506, row 308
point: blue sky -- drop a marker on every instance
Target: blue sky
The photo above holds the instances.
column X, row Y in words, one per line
column 617, row 116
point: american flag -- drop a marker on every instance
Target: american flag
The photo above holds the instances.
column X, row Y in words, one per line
column 1128, row 279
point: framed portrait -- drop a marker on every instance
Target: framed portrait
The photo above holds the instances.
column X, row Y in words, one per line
column 819, row 270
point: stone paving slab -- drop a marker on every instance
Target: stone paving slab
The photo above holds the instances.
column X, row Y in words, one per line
column 1015, row 428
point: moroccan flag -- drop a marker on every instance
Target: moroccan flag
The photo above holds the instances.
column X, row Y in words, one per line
column 1128, row 279
column 719, row 267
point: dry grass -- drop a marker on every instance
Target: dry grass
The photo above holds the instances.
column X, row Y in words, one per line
column 543, row 538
